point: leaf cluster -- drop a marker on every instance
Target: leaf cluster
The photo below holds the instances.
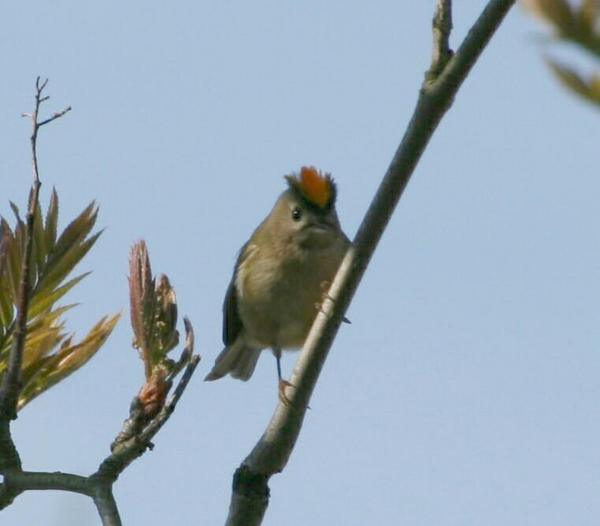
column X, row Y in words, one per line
column 50, row 353
column 578, row 24
column 153, row 306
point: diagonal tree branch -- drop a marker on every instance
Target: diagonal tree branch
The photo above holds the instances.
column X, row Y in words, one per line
column 250, row 492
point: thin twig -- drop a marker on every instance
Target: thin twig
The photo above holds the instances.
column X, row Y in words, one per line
column 270, row 455
column 15, row 481
column 10, row 387
column 442, row 27
column 57, row 115
column 11, row 380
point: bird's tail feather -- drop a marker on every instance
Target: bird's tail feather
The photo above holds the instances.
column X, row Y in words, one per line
column 237, row 359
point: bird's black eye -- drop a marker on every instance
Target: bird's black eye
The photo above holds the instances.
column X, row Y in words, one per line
column 296, row 214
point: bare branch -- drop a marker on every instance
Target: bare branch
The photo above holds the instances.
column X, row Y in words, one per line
column 7, row 495
column 9, row 456
column 57, row 115
column 17, row 481
column 37, row 85
column 106, row 505
column 33, row 480
column 271, row 453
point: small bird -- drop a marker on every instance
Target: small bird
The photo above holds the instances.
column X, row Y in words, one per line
column 281, row 275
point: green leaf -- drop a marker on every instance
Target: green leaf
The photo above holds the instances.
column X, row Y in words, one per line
column 13, row 260
column 47, row 318
column 165, row 335
column 3, row 249
column 49, row 354
column 588, row 88
column 6, row 308
column 557, row 13
column 41, row 343
column 67, row 360
column 15, row 210
column 142, row 302
column 588, row 13
column 44, row 301
column 39, row 250
column 6, row 303
column 51, row 221
column 75, row 233
column 63, row 266
column 153, row 307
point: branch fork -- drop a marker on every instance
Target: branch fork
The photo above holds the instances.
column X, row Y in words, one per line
column 441, row 29
column 149, row 410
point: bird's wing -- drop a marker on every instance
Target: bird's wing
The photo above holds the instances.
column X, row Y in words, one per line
column 232, row 323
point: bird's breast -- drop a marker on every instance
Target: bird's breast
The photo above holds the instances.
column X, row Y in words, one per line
column 278, row 298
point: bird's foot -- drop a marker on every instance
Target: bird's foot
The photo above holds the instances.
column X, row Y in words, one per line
column 324, row 286
column 319, row 306
column 283, row 397
column 283, row 384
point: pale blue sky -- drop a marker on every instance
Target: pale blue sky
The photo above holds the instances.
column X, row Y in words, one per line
column 467, row 389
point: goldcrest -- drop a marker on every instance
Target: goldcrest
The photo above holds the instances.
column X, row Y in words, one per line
column 281, row 276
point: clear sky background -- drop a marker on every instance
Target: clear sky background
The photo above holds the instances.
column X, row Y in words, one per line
column 467, row 389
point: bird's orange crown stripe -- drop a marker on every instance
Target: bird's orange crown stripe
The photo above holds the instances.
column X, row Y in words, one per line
column 316, row 187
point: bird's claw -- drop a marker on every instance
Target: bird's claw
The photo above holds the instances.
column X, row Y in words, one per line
column 319, row 307
column 324, row 286
column 326, row 296
column 282, row 396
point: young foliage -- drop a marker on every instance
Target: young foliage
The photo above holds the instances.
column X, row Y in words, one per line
column 153, row 307
column 578, row 24
column 50, row 353
column 154, row 321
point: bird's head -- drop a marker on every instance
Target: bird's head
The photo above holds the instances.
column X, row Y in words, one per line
column 305, row 213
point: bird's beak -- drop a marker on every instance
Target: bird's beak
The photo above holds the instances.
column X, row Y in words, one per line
column 317, row 226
